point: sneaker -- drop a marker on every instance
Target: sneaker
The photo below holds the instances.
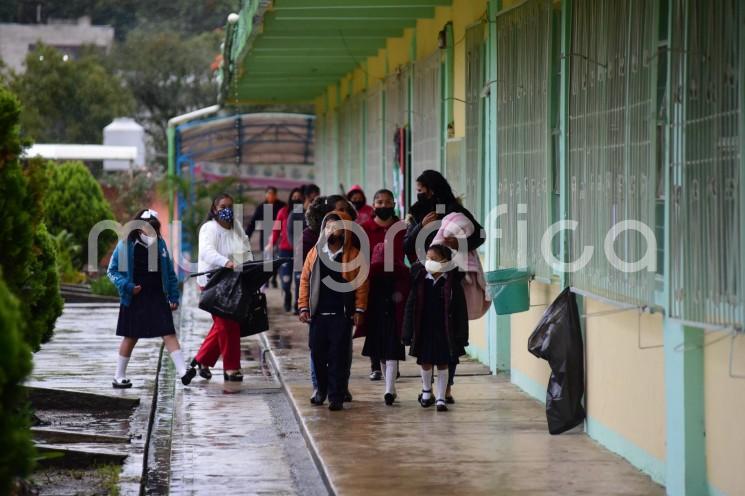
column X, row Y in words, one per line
column 335, row 406
column 389, row 398
column 376, row 375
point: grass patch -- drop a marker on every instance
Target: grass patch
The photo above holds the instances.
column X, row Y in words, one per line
column 103, row 286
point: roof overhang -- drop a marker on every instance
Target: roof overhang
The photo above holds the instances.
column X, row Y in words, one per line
column 291, row 50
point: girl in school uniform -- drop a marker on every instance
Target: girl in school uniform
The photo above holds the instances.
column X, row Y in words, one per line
column 222, row 243
column 436, row 322
column 388, row 292
column 148, row 294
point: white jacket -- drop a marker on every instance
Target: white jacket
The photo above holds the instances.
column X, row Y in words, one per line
column 217, row 245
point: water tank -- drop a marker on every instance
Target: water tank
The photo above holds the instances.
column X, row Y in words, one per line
column 124, row 131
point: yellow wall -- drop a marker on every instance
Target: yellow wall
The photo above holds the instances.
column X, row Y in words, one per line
column 521, row 325
column 427, row 30
column 725, row 411
column 376, row 69
column 477, row 333
column 625, row 384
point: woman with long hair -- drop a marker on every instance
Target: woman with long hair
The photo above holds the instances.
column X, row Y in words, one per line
column 435, row 199
column 222, row 243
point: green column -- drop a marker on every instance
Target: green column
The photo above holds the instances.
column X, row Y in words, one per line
column 498, row 325
column 684, row 406
column 566, row 49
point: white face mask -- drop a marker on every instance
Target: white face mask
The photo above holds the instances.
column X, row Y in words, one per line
column 148, row 240
column 434, row 267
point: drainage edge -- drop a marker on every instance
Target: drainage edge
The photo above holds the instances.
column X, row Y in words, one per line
column 309, row 442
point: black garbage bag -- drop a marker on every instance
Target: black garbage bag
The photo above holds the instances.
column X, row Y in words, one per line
column 558, row 339
column 231, row 294
column 258, row 317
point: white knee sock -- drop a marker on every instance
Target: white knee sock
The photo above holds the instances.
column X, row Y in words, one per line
column 178, row 362
column 442, row 384
column 121, row 368
column 426, row 383
column 391, row 366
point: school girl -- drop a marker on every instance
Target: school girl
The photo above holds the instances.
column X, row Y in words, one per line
column 148, row 294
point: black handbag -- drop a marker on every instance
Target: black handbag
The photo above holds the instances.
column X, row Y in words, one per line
column 226, row 295
column 258, row 316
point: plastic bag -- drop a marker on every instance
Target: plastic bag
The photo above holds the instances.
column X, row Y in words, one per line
column 558, row 339
column 230, row 294
column 226, row 296
column 258, row 316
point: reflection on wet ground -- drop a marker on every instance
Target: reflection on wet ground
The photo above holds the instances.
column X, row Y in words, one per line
column 493, row 440
column 81, row 358
column 240, row 435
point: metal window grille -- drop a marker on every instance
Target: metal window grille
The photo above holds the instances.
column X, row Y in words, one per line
column 396, row 115
column 706, row 162
column 612, row 132
column 523, row 132
column 426, row 134
column 475, row 71
column 355, row 138
column 374, row 177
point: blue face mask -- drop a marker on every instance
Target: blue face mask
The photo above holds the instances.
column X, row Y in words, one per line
column 225, row 215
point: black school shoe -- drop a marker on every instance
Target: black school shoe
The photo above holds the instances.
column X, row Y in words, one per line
column 188, row 376
column 235, row 377
column 317, row 399
column 449, row 400
column 347, row 397
column 389, row 398
column 441, row 406
column 336, row 406
column 123, row 384
column 204, row 372
column 428, row 402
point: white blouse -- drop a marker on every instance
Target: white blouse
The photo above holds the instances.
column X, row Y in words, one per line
column 217, row 245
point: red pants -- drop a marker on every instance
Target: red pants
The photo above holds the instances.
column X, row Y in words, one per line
column 223, row 339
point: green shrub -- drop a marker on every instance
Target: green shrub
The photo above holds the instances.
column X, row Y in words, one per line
column 103, row 286
column 42, row 291
column 75, row 203
column 16, row 455
column 66, row 251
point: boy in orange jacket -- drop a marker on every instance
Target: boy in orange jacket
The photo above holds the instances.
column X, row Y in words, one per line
column 332, row 298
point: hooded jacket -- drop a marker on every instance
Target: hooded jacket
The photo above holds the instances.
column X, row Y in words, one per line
column 310, row 279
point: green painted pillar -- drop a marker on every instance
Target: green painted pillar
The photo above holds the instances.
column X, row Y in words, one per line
column 566, row 50
column 499, row 329
column 684, row 410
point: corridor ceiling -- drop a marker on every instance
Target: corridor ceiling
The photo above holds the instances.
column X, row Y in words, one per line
column 294, row 49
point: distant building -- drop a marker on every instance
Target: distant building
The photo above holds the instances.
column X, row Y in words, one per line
column 68, row 36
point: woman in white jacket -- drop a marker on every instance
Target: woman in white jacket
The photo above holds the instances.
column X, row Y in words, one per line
column 222, row 243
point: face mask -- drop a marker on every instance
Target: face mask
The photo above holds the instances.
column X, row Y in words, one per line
column 434, row 267
column 148, row 240
column 358, row 204
column 384, row 213
column 225, row 215
column 333, row 239
column 423, row 198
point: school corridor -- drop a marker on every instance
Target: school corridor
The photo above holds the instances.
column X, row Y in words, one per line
column 621, row 120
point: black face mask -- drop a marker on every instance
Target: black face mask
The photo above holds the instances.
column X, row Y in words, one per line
column 384, row 213
column 358, row 204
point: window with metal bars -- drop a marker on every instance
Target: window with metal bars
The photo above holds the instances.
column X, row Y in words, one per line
column 612, row 134
column 707, row 162
column 374, row 176
column 396, row 116
column 426, row 130
column 475, row 80
column 524, row 132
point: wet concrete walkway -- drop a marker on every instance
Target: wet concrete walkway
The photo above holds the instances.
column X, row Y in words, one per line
column 494, row 440
column 81, row 357
column 239, row 437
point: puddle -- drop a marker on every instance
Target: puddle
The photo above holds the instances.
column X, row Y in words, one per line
column 278, row 341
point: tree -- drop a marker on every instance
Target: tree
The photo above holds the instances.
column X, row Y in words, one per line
column 168, row 76
column 16, row 457
column 43, row 290
column 75, row 203
column 68, row 101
